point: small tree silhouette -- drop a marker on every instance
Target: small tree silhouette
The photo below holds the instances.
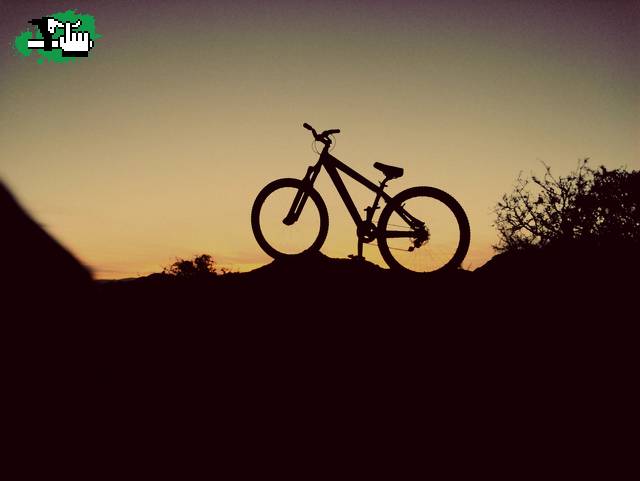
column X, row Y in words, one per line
column 201, row 265
column 587, row 205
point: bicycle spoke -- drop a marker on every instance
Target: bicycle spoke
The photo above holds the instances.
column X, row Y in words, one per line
column 392, row 248
column 400, row 226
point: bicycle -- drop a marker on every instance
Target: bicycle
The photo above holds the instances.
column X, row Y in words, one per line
column 421, row 229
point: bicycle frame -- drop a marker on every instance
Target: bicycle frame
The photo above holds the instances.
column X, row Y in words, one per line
column 332, row 165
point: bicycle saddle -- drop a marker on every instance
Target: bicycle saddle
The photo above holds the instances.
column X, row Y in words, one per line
column 389, row 171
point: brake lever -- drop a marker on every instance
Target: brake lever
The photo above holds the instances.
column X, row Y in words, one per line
column 313, row 131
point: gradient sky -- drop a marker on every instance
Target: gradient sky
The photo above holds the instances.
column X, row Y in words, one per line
column 156, row 145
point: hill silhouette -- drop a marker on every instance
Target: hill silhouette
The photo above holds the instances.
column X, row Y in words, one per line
column 32, row 257
column 531, row 341
column 313, row 282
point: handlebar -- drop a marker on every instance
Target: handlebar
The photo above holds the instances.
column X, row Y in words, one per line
column 323, row 137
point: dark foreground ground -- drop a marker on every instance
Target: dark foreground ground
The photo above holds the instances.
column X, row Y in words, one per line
column 342, row 353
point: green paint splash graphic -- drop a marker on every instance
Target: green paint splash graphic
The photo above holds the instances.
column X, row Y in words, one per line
column 88, row 25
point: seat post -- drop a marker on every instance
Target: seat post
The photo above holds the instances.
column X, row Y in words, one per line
column 373, row 208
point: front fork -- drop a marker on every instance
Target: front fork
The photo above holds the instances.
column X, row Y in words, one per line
column 301, row 196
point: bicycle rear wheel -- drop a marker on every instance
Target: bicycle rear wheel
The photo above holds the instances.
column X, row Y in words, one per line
column 440, row 245
column 279, row 236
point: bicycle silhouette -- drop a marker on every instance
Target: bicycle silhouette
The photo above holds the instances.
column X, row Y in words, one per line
column 421, row 229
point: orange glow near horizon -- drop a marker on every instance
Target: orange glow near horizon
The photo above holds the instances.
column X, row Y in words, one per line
column 153, row 149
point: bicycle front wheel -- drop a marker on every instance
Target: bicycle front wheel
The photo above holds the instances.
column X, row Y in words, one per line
column 278, row 232
column 423, row 229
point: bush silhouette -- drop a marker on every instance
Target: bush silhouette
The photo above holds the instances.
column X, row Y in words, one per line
column 594, row 206
column 201, row 265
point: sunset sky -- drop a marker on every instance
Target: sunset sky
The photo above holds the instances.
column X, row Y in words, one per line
column 155, row 146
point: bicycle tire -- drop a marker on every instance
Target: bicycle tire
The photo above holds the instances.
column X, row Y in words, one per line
column 259, row 203
column 464, row 237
